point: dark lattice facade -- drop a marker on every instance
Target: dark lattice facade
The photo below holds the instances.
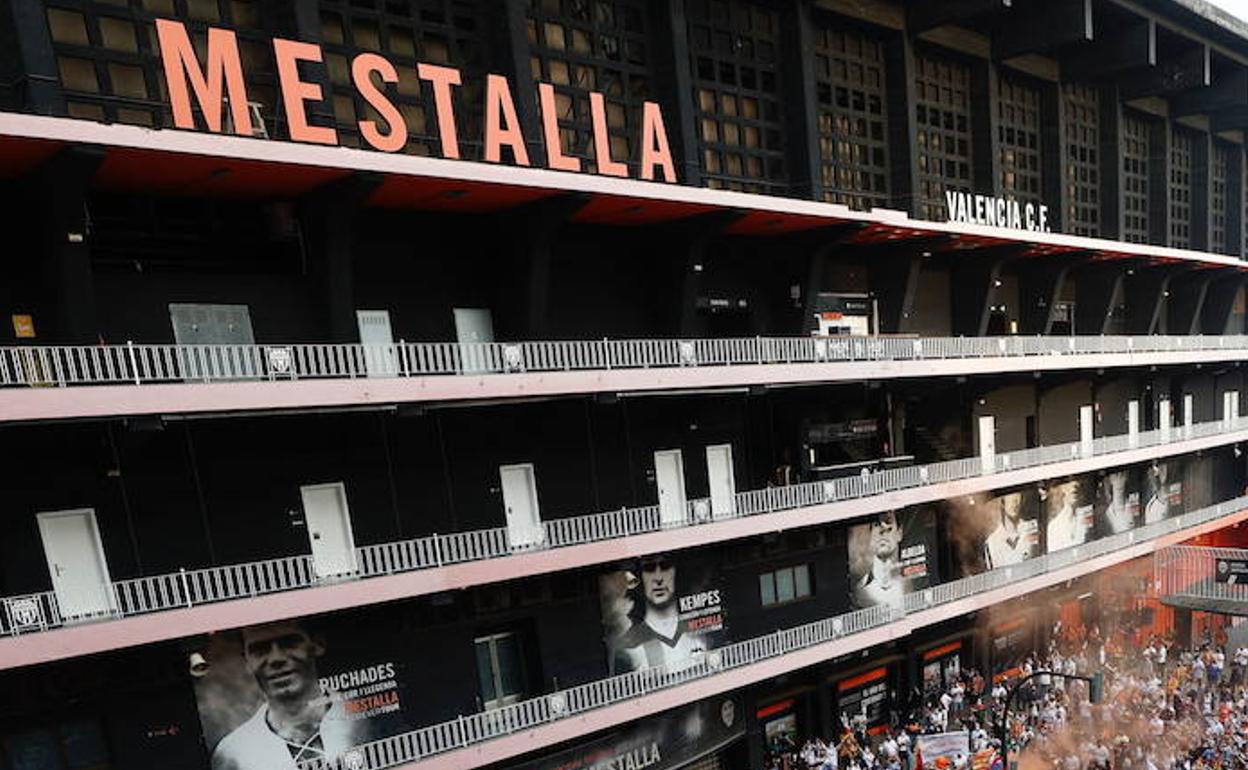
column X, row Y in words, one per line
column 1135, row 150
column 108, row 58
column 943, row 131
column 444, row 32
column 735, row 48
column 1180, row 189
column 1018, row 139
column 1081, row 174
column 581, row 46
column 1219, row 175
column 853, row 124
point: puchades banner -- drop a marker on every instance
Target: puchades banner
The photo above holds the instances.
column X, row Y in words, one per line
column 891, row 555
column 1117, row 502
column 1068, row 512
column 290, row 692
column 671, row 739
column 865, row 700
column 656, row 612
column 986, row 532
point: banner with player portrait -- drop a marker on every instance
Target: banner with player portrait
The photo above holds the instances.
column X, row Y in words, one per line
column 891, row 555
column 1068, row 512
column 987, row 532
column 1163, row 491
column 658, row 612
column 1117, row 506
column 288, row 692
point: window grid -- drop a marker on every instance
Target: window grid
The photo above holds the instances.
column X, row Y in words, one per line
column 853, row 129
column 579, row 46
column 1018, row 139
column 108, row 57
column 785, row 585
column 1083, row 160
column 1180, row 189
column 1135, row 150
column 1219, row 174
column 734, row 46
column 442, row 32
column 943, row 118
column 500, row 669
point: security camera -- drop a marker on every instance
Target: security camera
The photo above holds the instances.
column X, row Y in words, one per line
column 198, row 664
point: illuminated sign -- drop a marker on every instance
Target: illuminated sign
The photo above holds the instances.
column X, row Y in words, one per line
column 218, row 84
column 969, row 209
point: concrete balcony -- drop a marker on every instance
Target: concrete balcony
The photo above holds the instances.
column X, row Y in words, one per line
column 34, row 629
column 493, row 736
column 51, row 382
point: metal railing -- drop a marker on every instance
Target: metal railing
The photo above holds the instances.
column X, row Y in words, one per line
column 41, row 366
column 1202, row 574
column 188, row 588
column 534, row 712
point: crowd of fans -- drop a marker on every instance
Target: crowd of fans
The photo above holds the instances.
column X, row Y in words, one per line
column 1164, row 707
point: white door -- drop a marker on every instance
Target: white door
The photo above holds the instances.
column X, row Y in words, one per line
column 474, row 329
column 1086, row 434
column 1133, row 422
column 1163, row 418
column 80, row 579
column 987, row 443
column 524, row 520
column 380, row 357
column 669, row 475
column 329, row 528
column 719, row 475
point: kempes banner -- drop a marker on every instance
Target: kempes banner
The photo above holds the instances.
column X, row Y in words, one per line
column 890, row 556
column 657, row 612
column 1068, row 509
column 288, row 692
column 672, row 739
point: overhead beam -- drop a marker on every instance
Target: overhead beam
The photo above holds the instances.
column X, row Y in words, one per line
column 1230, row 90
column 1229, row 119
column 1184, row 72
column 1040, row 28
column 1134, row 46
column 929, row 14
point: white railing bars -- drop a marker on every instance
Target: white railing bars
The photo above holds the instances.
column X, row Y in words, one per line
column 41, row 366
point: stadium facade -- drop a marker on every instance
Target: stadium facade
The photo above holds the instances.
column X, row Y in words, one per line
column 595, row 383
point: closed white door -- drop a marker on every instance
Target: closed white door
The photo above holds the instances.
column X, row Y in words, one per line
column 987, row 443
column 1085, row 430
column 720, row 477
column 380, row 356
column 669, row 476
column 474, row 328
column 329, row 528
column 524, row 521
column 80, row 579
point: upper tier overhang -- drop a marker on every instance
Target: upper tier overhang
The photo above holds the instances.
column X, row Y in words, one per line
column 185, row 163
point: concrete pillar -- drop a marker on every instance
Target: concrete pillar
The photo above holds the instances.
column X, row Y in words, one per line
column 1098, row 292
column 1085, row 430
column 327, row 221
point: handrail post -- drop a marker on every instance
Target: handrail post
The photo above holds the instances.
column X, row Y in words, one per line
column 186, row 587
column 134, row 367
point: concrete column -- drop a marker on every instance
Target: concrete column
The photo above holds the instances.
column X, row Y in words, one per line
column 1086, row 428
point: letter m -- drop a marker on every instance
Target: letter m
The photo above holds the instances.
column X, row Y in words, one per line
column 224, row 70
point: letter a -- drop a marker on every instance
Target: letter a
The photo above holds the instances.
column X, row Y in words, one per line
column 655, row 150
column 502, row 127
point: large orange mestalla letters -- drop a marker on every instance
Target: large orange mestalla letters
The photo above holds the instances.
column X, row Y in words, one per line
column 219, row 81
